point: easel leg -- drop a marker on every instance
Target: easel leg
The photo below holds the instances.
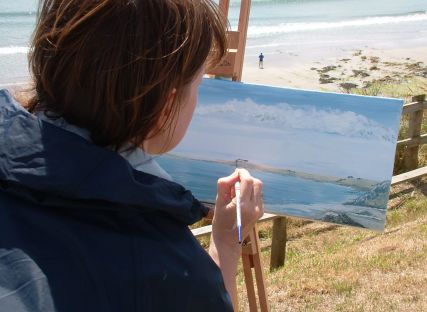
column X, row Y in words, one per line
column 251, row 258
column 260, row 282
column 249, row 281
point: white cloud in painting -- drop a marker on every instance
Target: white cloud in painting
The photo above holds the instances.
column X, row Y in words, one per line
column 301, row 117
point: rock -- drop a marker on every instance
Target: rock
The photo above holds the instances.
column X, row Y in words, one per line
column 386, row 79
column 345, row 60
column 375, row 67
column 313, row 68
column 325, row 80
column 327, row 69
column 348, row 86
column 417, row 69
column 375, row 198
column 391, row 63
column 414, row 66
column 360, row 73
column 363, row 57
column 340, row 218
column 374, row 59
column 423, row 73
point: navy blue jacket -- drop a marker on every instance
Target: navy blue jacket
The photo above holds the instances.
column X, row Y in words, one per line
column 81, row 230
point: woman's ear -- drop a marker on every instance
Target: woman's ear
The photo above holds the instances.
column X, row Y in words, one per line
column 167, row 109
column 151, row 144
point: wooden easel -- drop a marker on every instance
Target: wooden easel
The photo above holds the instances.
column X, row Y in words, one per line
column 231, row 67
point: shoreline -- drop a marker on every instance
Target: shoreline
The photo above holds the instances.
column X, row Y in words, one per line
column 359, row 67
column 358, row 183
column 304, row 71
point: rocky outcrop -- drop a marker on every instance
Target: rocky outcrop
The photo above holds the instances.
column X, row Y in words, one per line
column 340, row 218
column 375, row 198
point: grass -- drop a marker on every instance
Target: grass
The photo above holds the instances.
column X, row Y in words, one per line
column 331, row 268
column 405, row 89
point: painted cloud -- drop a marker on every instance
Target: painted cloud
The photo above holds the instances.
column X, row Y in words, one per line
column 303, row 117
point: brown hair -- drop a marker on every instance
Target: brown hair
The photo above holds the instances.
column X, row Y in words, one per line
column 109, row 65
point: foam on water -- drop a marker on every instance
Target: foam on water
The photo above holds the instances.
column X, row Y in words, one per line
column 13, row 50
column 262, row 31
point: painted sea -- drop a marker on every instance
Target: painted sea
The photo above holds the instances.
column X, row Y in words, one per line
column 276, row 27
column 321, row 156
column 283, row 194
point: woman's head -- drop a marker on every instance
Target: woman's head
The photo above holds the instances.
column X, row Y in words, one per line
column 122, row 68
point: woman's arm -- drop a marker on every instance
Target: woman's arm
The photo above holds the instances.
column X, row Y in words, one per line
column 226, row 257
column 224, row 247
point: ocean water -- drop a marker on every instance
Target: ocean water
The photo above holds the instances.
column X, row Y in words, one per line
column 321, row 22
column 275, row 27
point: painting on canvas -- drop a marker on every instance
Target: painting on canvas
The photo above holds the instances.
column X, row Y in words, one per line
column 321, row 156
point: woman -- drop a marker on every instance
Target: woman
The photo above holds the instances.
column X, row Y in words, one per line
column 88, row 220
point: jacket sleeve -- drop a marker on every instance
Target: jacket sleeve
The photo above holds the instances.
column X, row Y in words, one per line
column 181, row 276
column 23, row 286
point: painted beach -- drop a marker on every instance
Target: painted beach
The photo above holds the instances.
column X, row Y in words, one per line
column 321, row 156
column 332, row 200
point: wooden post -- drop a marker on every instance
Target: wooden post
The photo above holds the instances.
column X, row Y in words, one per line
column 245, row 10
column 278, row 243
column 414, row 131
column 223, row 7
column 232, row 64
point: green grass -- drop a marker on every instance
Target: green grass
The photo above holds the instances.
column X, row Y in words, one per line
column 404, row 89
column 343, row 287
column 411, row 210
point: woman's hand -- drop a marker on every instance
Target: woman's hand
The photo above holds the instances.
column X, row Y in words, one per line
column 224, row 247
column 224, row 223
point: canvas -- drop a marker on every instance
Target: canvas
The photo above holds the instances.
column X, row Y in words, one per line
column 321, row 156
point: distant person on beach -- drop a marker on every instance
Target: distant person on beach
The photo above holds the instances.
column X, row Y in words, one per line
column 261, row 61
column 88, row 220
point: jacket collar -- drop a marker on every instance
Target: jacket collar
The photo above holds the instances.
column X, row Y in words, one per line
column 45, row 159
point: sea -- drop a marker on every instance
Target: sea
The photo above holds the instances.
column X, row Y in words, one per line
column 276, row 27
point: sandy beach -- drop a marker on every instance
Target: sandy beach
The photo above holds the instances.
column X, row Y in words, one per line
column 328, row 72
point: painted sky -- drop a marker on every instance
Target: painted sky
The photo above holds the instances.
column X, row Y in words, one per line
column 315, row 132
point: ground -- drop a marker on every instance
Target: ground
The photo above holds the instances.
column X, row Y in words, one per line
column 333, row 268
